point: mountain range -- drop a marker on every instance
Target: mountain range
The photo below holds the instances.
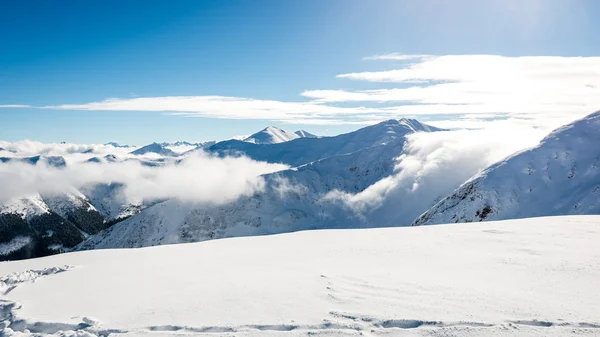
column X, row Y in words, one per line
column 559, row 176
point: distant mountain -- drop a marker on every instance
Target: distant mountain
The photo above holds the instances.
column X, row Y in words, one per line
column 109, row 158
column 306, row 150
column 115, row 144
column 304, row 134
column 560, row 176
column 274, row 135
column 154, row 148
column 184, row 143
column 291, row 200
column 54, row 161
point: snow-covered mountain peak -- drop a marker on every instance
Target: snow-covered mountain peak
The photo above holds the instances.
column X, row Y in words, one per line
column 275, row 135
column 154, row 148
column 26, row 207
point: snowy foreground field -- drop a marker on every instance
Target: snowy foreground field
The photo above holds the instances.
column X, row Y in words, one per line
column 529, row 277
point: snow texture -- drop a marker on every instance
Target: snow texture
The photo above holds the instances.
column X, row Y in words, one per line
column 527, row 277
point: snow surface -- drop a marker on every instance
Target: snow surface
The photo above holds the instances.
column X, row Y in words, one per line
column 560, row 176
column 528, row 277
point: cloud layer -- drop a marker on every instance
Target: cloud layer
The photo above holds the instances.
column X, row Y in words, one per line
column 198, row 178
column 548, row 90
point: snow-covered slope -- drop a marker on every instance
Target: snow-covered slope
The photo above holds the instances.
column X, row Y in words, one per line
column 78, row 209
column 558, row 177
column 29, row 228
column 306, row 150
column 528, row 277
column 26, row 207
column 38, row 225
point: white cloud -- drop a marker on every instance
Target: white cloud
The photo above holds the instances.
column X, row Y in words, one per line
column 32, row 148
column 218, row 107
column 487, row 68
column 72, row 153
column 434, row 164
column 526, row 87
column 199, row 178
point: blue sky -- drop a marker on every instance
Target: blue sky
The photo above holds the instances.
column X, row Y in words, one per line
column 79, row 52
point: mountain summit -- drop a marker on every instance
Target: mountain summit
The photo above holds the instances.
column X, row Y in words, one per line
column 274, row 135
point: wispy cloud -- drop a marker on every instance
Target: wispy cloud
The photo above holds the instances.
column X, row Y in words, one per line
column 482, row 84
column 15, row 106
column 545, row 89
column 199, row 177
column 219, row 107
column 487, row 69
